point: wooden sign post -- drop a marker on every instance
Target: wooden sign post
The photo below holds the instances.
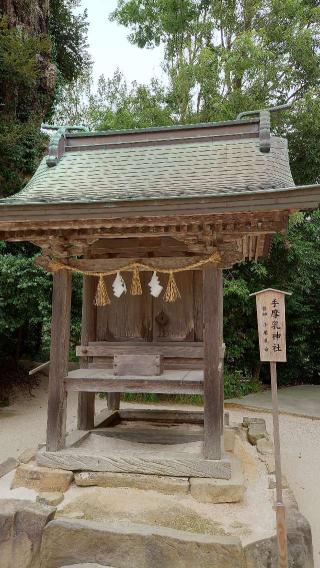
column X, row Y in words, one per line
column 272, row 342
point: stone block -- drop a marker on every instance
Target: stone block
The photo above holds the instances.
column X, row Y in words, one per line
column 264, row 554
column 28, row 455
column 7, row 466
column 220, row 490
column 256, row 431
column 162, row 484
column 42, row 478
column 126, row 545
column 21, row 526
column 265, row 447
column 229, row 437
column 248, row 421
column 53, row 498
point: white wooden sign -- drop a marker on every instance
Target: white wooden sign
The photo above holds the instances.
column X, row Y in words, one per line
column 271, row 317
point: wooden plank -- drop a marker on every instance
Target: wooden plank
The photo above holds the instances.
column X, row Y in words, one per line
column 178, row 321
column 86, row 400
column 162, row 416
column 107, row 418
column 166, row 416
column 142, row 365
column 212, row 320
column 172, row 382
column 139, row 386
column 128, row 317
column 169, row 363
column 167, row 349
column 178, row 465
column 59, row 355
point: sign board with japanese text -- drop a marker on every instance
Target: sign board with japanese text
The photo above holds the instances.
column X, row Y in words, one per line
column 271, row 324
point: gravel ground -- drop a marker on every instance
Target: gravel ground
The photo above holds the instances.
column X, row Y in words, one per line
column 300, row 440
column 23, row 425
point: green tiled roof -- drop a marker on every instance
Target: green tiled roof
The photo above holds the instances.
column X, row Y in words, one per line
column 192, row 167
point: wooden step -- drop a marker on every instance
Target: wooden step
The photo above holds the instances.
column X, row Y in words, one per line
column 103, row 380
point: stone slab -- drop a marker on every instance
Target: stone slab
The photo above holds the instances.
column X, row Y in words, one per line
column 264, row 554
column 28, row 455
column 7, row 466
column 162, row 484
column 135, row 546
column 21, row 526
column 220, row 490
column 255, row 432
column 265, row 447
column 41, row 478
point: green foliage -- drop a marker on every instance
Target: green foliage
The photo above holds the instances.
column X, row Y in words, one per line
column 25, row 314
column 68, row 31
column 224, row 57
column 114, row 105
column 27, row 83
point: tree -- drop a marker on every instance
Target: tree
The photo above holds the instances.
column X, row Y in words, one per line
column 114, row 104
column 36, row 54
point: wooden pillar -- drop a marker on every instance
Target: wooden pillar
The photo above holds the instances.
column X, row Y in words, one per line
column 59, row 357
column 213, row 361
column 86, row 400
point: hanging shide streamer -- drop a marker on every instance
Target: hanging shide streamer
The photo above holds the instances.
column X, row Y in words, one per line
column 155, row 286
column 119, row 286
column 102, row 297
column 172, row 292
column 136, row 288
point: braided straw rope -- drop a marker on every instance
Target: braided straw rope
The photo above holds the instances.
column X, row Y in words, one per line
column 172, row 292
column 214, row 258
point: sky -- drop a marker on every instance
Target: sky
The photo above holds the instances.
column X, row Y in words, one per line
column 110, row 49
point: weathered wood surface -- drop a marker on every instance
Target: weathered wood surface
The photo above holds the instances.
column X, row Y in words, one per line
column 142, row 365
column 113, row 400
column 169, row 363
column 177, row 465
column 128, row 317
column 160, row 435
column 282, row 536
column 171, row 382
column 165, row 416
column 59, row 355
column 213, row 380
column 167, row 349
column 107, row 418
column 86, row 400
column 179, row 315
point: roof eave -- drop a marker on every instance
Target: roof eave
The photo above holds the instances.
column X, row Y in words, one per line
column 296, row 198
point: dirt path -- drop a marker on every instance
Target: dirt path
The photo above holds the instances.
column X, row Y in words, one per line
column 23, row 425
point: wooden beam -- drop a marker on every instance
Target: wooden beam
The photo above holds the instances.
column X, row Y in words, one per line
column 213, row 374
column 59, row 356
column 86, row 400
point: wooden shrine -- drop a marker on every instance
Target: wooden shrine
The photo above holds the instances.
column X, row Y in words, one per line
column 205, row 196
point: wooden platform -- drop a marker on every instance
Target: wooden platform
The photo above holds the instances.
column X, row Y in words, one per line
column 103, row 380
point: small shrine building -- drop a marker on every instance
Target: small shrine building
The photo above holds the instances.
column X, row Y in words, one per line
column 151, row 218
